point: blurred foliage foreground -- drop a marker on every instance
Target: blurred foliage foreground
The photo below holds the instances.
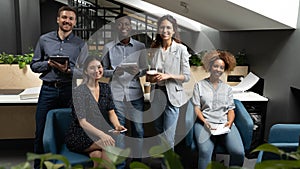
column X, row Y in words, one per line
column 288, row 160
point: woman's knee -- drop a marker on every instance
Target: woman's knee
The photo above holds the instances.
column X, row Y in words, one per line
column 204, row 151
column 96, row 154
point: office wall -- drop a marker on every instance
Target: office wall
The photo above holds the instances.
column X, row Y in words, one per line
column 20, row 25
column 274, row 56
column 29, row 23
column 49, row 10
column 7, row 25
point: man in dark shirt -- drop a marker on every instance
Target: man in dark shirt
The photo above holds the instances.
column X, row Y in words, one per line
column 56, row 91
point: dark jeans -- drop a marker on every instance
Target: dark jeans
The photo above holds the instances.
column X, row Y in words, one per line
column 50, row 98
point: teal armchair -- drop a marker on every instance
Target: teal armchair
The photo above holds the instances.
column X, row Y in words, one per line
column 283, row 136
column 57, row 123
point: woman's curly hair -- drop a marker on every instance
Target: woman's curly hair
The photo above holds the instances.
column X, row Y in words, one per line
column 228, row 58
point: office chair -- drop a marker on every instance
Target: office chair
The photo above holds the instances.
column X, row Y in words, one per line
column 283, row 136
column 57, row 123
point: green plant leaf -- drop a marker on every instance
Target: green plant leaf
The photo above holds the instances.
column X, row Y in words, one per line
column 47, row 157
column 117, row 155
column 25, row 165
column 50, row 165
column 58, row 157
column 172, row 160
column 269, row 148
column 278, row 164
column 22, row 65
column 104, row 163
column 215, row 165
column 138, row 165
column 9, row 59
column 156, row 151
column 294, row 155
column 33, row 156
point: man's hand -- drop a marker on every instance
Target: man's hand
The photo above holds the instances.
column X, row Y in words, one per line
column 119, row 71
column 133, row 71
column 60, row 67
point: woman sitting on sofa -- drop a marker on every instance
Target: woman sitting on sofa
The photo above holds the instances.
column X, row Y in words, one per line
column 93, row 114
column 214, row 106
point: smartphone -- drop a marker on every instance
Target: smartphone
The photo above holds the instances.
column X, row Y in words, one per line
column 113, row 130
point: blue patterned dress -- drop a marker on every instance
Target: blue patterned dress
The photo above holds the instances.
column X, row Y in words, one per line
column 95, row 112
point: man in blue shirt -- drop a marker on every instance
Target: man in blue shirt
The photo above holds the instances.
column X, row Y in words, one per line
column 56, row 90
column 124, row 61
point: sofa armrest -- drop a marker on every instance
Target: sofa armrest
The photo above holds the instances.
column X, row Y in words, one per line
column 244, row 123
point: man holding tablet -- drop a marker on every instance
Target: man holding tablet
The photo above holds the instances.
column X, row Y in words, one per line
column 56, row 56
column 124, row 61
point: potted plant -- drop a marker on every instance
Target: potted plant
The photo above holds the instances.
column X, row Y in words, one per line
column 195, row 59
column 21, row 60
column 16, row 71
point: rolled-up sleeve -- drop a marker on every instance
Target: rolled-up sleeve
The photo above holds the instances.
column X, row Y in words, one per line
column 185, row 64
column 108, row 72
column 196, row 95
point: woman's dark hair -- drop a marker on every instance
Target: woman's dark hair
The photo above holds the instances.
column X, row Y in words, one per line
column 65, row 8
column 176, row 37
column 87, row 61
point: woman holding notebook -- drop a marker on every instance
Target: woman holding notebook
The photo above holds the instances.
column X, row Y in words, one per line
column 214, row 108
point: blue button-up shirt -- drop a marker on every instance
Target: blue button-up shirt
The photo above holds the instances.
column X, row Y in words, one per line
column 214, row 103
column 50, row 44
column 126, row 86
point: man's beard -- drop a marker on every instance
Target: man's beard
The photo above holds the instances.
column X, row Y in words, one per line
column 66, row 30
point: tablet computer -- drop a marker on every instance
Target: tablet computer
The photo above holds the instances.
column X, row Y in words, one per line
column 129, row 65
column 60, row 59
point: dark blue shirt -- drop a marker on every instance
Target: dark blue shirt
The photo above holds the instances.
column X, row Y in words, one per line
column 50, row 44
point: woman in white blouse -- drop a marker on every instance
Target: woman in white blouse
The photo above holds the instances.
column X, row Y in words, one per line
column 171, row 59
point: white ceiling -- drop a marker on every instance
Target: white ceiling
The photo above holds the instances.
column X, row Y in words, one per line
column 224, row 15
